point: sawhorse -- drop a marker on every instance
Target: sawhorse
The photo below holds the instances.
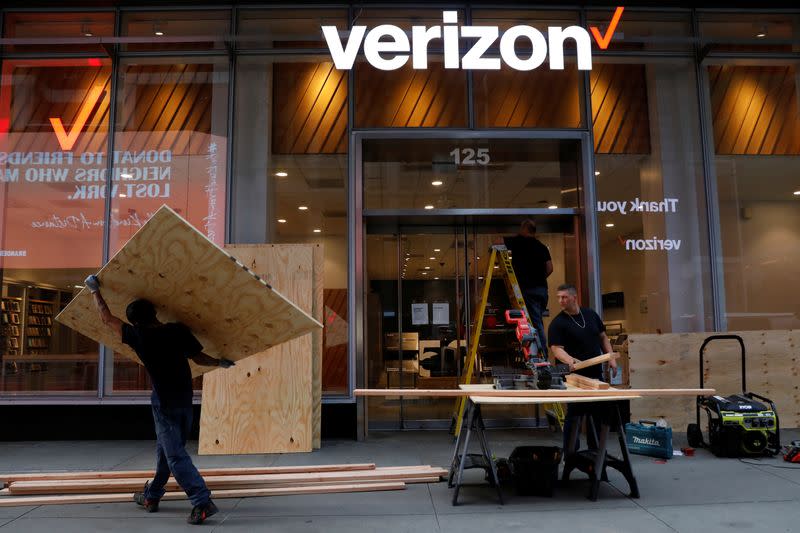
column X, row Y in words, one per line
column 596, row 459
column 462, row 459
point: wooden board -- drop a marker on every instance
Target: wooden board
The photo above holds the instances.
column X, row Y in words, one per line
column 410, row 475
column 532, row 393
column 266, row 404
column 28, row 501
column 119, row 474
column 318, row 312
column 672, row 360
column 583, row 382
column 232, row 312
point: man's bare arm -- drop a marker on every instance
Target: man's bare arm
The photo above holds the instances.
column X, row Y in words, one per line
column 612, row 363
column 548, row 268
column 562, row 355
column 105, row 314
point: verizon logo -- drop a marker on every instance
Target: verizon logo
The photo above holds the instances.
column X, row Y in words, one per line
column 388, row 47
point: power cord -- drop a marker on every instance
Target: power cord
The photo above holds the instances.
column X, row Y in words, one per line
column 759, row 463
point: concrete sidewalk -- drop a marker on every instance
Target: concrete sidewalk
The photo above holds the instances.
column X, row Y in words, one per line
column 700, row 493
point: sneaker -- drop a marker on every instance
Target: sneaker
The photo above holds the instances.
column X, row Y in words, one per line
column 151, row 506
column 201, row 512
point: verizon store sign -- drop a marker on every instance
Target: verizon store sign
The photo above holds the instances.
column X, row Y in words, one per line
column 388, row 47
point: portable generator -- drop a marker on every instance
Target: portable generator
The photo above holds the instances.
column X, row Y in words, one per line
column 743, row 424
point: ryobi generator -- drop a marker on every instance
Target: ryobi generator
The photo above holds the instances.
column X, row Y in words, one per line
column 743, row 424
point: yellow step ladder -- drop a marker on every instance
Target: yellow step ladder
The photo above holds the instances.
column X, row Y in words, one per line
column 501, row 256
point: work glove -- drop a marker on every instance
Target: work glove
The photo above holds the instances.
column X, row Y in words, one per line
column 92, row 283
column 225, row 363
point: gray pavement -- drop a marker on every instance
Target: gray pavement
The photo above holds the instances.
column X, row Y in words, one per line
column 687, row 494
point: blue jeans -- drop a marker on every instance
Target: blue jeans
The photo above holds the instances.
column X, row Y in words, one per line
column 172, row 429
column 536, row 302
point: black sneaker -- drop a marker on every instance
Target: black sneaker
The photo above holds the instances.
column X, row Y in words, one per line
column 151, row 506
column 201, row 512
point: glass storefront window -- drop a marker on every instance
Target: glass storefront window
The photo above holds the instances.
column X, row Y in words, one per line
column 53, row 139
column 752, row 32
column 170, row 148
column 470, row 173
column 757, row 146
column 287, row 28
column 290, row 182
column 644, row 31
column 651, row 202
column 66, row 32
column 193, row 29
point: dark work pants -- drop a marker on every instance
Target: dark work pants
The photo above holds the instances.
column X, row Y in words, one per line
column 172, row 429
column 536, row 302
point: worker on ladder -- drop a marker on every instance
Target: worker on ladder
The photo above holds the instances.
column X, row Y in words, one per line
column 532, row 265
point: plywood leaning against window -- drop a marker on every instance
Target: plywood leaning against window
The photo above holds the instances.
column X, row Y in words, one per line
column 189, row 279
column 672, row 360
column 270, row 403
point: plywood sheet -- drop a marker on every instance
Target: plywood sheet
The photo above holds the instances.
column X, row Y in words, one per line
column 317, row 311
column 232, row 312
column 265, row 404
column 672, row 360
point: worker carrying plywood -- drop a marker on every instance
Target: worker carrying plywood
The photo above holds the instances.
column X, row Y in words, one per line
column 164, row 349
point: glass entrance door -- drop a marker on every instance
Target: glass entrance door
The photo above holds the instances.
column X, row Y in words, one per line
column 431, row 209
column 423, row 286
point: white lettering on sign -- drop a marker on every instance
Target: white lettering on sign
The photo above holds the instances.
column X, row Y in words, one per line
column 667, row 205
column 653, row 244
column 387, row 47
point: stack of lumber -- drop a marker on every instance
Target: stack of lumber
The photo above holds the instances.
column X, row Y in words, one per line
column 582, row 382
column 118, row 486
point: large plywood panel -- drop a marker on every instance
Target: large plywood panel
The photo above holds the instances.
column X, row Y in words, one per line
column 189, row 279
column 318, row 311
column 672, row 360
column 267, row 404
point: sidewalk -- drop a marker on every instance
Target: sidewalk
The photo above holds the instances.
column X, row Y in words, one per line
column 686, row 494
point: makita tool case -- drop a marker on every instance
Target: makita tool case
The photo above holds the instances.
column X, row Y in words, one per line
column 646, row 438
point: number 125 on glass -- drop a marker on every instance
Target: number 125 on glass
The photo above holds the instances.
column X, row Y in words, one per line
column 470, row 156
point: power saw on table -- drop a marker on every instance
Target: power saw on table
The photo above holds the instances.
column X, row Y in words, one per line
column 544, row 375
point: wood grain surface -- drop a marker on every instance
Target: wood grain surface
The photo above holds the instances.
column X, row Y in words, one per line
column 191, row 280
column 672, row 360
column 266, row 403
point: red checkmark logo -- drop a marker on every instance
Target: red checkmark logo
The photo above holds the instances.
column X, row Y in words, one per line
column 604, row 40
column 67, row 140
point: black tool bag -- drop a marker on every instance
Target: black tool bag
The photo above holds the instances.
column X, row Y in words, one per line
column 535, row 469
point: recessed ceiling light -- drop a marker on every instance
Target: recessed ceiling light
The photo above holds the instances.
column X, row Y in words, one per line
column 596, row 172
column 479, row 257
column 437, row 249
column 432, row 258
column 480, row 277
column 436, row 277
column 87, row 34
column 496, row 267
column 281, row 174
column 303, row 208
column 552, row 206
column 428, row 207
column 317, row 230
column 761, row 35
column 427, row 268
column 424, row 273
column 159, row 33
column 282, row 221
column 610, row 225
column 796, row 193
column 437, row 183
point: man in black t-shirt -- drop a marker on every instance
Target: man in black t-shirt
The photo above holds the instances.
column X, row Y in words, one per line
column 165, row 349
column 532, row 265
column 576, row 334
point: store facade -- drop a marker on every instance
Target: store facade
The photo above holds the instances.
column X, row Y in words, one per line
column 657, row 149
